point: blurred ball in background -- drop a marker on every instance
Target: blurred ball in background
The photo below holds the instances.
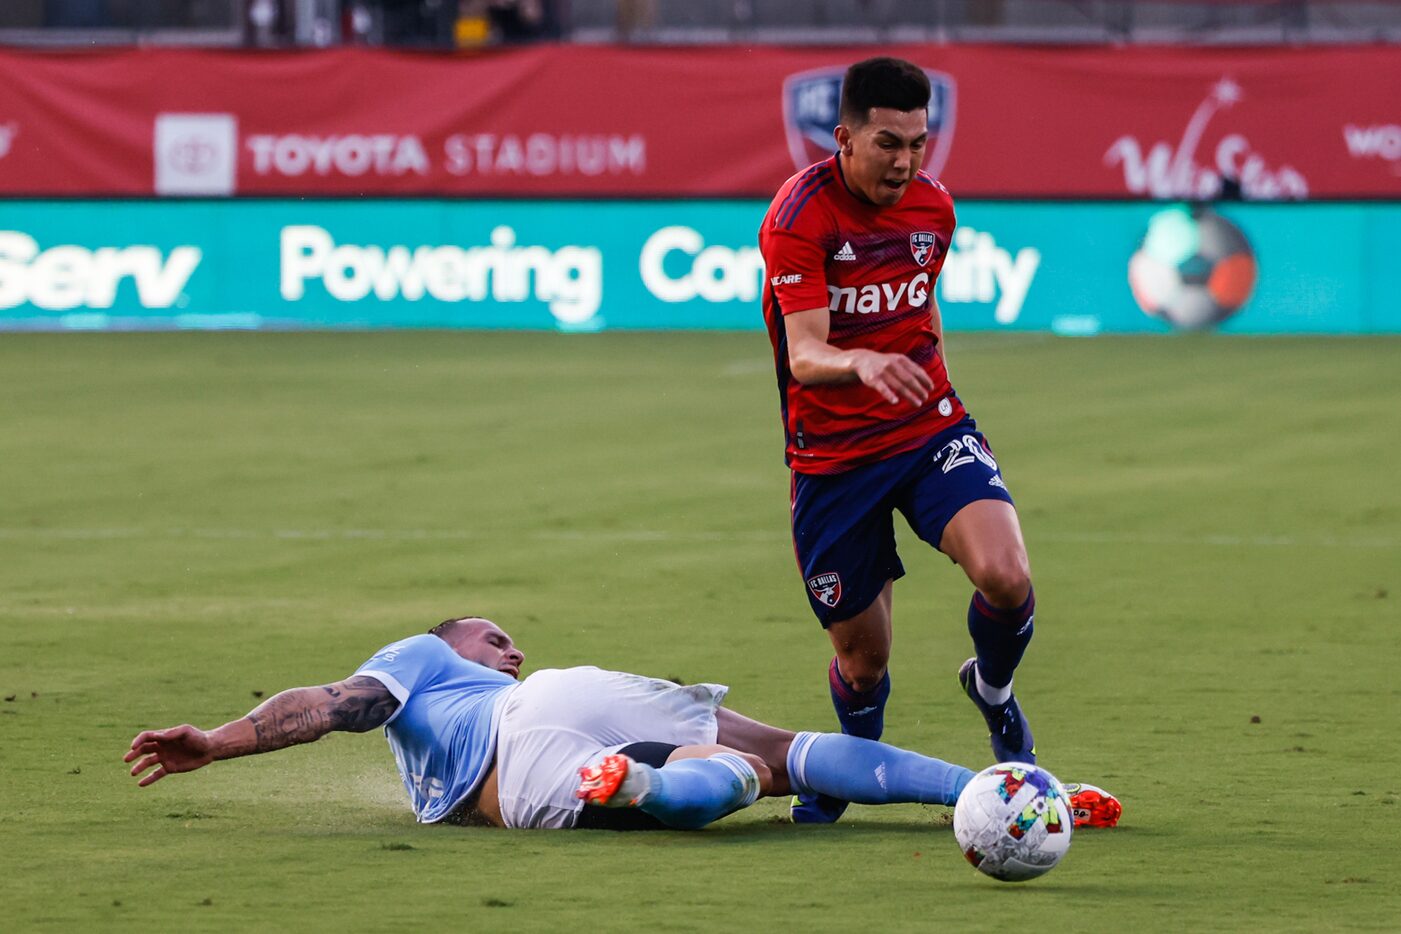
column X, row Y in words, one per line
column 1193, row 268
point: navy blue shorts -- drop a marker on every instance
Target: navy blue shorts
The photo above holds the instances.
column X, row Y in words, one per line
column 843, row 524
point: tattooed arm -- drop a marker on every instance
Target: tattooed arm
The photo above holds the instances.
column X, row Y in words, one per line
column 301, row 715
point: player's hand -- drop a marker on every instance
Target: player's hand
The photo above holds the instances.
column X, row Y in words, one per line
column 895, row 376
column 178, row 749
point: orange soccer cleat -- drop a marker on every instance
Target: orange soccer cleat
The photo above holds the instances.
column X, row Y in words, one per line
column 1091, row 806
column 599, row 783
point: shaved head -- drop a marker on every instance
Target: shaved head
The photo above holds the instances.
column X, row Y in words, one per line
column 448, row 625
column 479, row 640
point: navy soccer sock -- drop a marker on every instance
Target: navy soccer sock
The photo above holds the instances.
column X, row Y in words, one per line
column 867, row 772
column 1000, row 637
column 861, row 713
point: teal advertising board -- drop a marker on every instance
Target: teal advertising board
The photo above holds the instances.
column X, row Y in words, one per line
column 589, row 265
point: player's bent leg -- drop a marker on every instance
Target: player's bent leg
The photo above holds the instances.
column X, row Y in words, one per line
column 844, row 541
column 858, row 677
column 762, row 773
column 862, row 643
column 769, row 743
column 697, row 786
column 868, row 772
column 985, row 538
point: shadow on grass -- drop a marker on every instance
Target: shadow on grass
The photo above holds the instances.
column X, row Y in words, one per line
column 777, row 830
column 780, row 833
column 1064, row 885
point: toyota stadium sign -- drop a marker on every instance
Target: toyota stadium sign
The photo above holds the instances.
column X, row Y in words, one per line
column 1284, row 123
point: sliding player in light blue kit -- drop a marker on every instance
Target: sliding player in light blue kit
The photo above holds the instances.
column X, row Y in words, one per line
column 565, row 748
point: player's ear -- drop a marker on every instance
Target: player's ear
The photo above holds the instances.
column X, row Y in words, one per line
column 843, row 138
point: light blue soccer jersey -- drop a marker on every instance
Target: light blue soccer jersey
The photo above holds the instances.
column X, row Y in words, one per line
column 444, row 732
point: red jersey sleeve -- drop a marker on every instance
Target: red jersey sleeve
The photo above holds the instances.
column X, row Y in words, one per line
column 796, row 267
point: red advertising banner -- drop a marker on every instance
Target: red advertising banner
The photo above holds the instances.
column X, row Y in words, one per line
column 708, row 121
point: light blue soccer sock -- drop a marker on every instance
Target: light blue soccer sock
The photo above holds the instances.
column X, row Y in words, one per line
column 690, row 793
column 868, row 772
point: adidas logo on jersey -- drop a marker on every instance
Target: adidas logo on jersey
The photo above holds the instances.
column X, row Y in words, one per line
column 845, row 254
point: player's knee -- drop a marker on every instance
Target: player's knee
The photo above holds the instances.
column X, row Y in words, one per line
column 863, row 668
column 867, row 680
column 1004, row 581
column 761, row 768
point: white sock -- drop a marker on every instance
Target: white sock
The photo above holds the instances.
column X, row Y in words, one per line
column 990, row 694
column 635, row 787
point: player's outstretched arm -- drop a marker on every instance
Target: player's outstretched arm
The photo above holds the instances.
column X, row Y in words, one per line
column 812, row 359
column 300, row 715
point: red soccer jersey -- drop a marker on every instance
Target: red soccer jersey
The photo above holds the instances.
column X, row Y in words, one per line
column 873, row 268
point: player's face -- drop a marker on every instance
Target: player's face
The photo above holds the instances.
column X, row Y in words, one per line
column 483, row 642
column 881, row 156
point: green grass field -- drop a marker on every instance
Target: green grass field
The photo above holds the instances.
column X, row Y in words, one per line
column 191, row 521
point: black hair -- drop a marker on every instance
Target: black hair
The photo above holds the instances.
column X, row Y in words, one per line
column 882, row 82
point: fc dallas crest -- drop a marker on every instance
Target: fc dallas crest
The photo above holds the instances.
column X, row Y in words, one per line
column 811, row 100
column 826, row 588
column 922, row 245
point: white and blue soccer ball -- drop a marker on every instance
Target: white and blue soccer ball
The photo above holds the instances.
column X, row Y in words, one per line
column 1013, row 821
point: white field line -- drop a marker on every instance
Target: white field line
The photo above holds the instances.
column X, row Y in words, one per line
column 129, row 533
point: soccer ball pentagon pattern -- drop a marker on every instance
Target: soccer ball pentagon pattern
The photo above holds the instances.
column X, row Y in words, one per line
column 1013, row 822
column 1193, row 269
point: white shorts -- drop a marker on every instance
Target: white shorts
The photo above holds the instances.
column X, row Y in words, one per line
column 560, row 719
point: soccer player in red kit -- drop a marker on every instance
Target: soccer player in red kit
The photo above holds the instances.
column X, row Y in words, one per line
column 853, row 246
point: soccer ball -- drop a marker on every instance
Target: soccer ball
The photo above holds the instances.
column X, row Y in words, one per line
column 1193, row 269
column 1013, row 821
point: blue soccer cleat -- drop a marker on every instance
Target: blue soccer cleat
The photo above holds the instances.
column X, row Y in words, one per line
column 1011, row 734
column 816, row 809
